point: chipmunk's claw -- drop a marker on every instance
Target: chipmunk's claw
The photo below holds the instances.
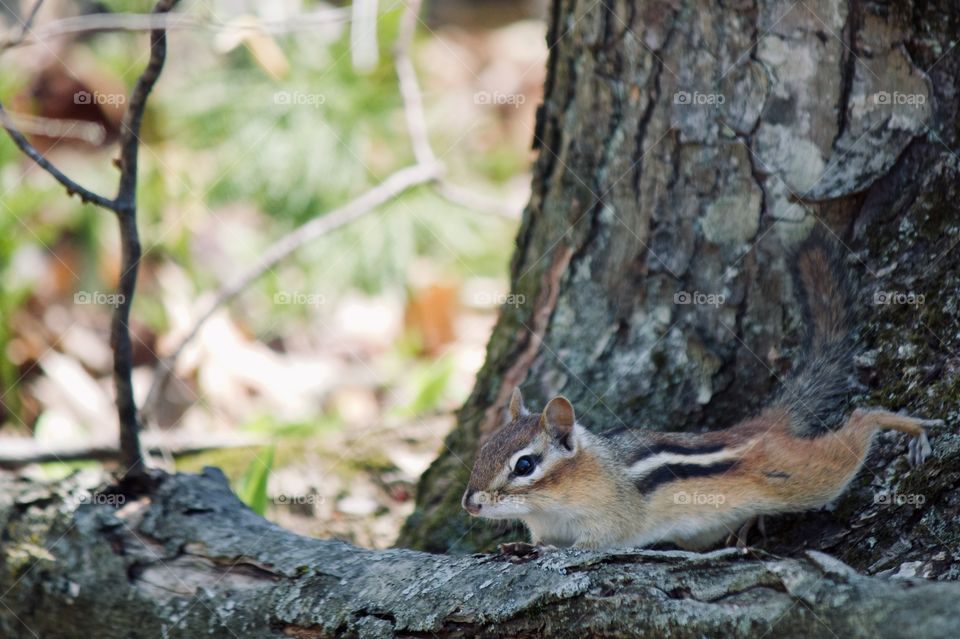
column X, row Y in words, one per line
column 919, row 447
column 521, row 551
column 517, row 549
column 740, row 537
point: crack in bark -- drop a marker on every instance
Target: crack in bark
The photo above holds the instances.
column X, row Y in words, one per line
column 848, row 66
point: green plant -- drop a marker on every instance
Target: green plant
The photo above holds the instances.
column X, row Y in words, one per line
column 252, row 487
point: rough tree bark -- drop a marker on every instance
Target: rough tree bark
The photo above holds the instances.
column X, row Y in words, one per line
column 683, row 148
column 192, row 561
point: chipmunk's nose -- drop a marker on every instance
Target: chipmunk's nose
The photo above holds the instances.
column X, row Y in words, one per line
column 469, row 502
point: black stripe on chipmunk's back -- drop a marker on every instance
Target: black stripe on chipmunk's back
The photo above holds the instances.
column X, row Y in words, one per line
column 679, row 471
column 638, row 445
column 814, row 394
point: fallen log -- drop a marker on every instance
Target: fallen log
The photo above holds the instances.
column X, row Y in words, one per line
column 187, row 559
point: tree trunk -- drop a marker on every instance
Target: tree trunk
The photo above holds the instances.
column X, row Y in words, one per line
column 684, row 147
column 189, row 560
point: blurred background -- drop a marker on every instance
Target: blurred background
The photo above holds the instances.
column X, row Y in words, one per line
column 326, row 387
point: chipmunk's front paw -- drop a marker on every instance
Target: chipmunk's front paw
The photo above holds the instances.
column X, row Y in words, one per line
column 919, row 447
column 517, row 549
column 520, row 551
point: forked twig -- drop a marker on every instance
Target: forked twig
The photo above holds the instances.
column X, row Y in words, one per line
column 124, row 205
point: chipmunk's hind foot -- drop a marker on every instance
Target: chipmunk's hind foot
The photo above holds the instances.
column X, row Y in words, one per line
column 919, row 448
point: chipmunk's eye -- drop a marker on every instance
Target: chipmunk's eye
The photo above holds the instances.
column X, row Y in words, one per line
column 524, row 466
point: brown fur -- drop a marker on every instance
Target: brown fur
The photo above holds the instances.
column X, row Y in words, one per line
column 780, row 473
column 501, row 447
column 588, row 499
column 638, row 487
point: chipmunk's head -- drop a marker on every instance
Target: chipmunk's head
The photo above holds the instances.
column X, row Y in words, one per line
column 519, row 471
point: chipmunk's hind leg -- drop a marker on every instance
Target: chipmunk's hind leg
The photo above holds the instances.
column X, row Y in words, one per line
column 919, row 448
column 740, row 537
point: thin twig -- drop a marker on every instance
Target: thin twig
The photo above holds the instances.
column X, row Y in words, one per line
column 16, row 452
column 476, row 201
column 409, row 87
column 396, row 184
column 100, row 22
column 89, row 132
column 426, row 170
column 25, row 27
column 413, row 111
column 133, row 117
column 125, row 207
column 31, row 152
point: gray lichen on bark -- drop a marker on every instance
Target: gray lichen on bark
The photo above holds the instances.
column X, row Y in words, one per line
column 189, row 560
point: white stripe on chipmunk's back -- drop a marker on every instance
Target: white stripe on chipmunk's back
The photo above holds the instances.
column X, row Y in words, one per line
column 648, row 464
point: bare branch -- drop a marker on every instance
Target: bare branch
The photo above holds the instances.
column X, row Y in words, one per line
column 29, row 124
column 25, row 27
column 125, row 206
column 16, row 452
column 409, row 87
column 131, row 455
column 96, row 22
column 477, row 201
column 30, row 151
column 417, row 123
column 99, row 22
column 132, row 119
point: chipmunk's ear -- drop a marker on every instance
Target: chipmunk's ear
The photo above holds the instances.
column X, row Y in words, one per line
column 558, row 420
column 517, row 409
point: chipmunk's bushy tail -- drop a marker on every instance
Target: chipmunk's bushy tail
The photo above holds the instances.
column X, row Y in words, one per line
column 814, row 394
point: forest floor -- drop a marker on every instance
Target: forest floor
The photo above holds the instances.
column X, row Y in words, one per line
column 336, row 375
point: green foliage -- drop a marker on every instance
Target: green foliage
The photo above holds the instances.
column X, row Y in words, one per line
column 220, row 135
column 377, row 250
column 270, row 425
column 252, row 488
column 293, row 148
column 56, row 471
column 128, row 6
column 429, row 383
column 301, row 144
column 19, row 236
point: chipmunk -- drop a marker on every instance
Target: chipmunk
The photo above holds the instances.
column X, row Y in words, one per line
column 572, row 487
